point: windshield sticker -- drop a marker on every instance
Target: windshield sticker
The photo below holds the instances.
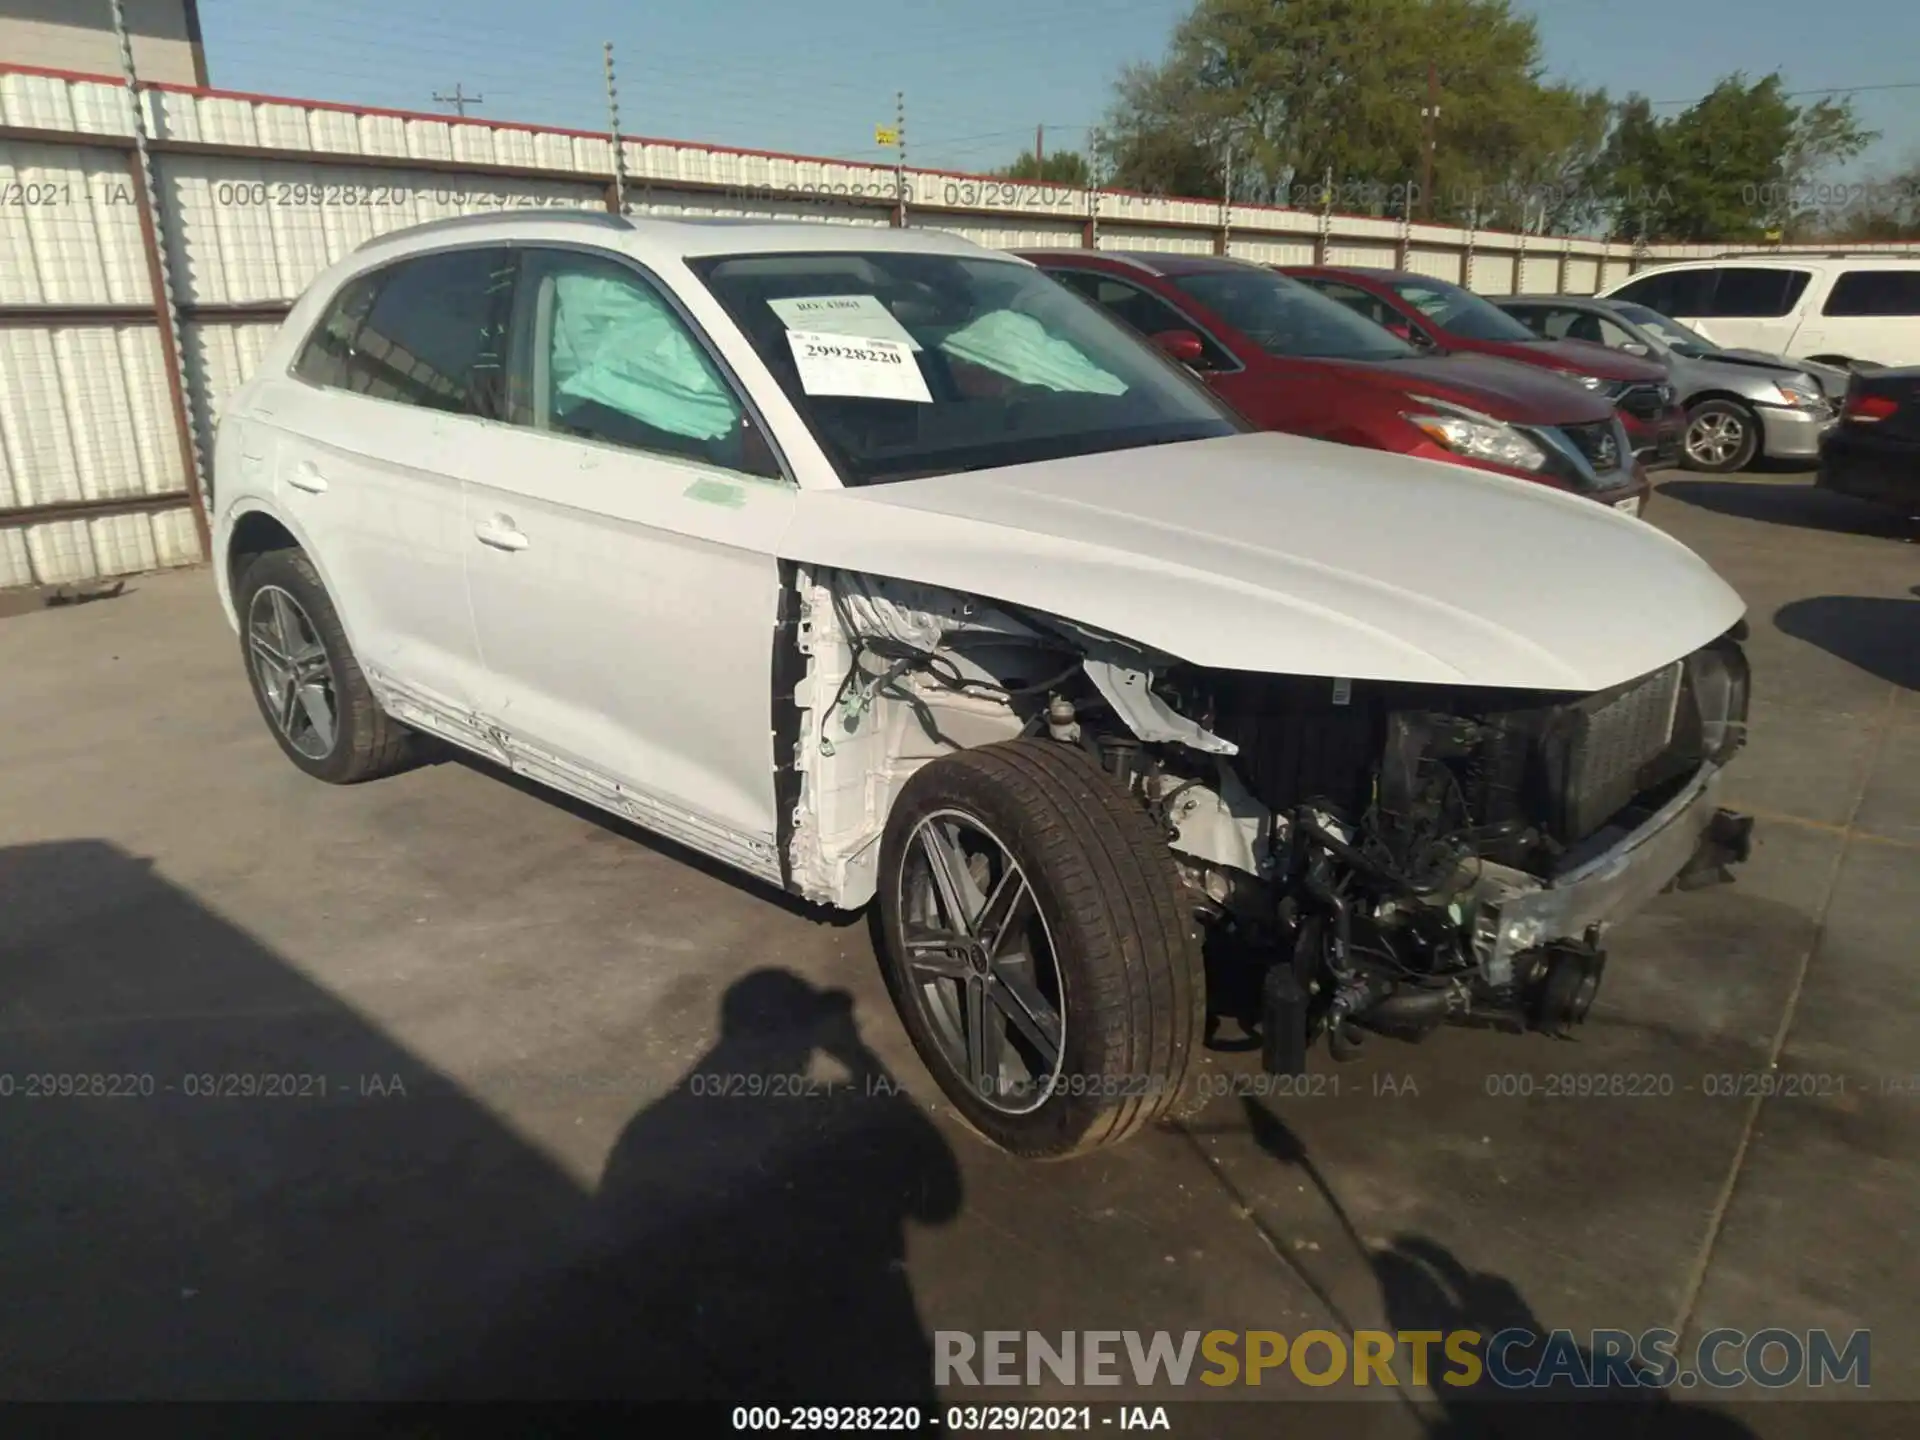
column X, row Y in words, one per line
column 862, row 316
column 1019, row 347
column 871, row 369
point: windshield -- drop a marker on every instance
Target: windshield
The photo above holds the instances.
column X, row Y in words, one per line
column 1461, row 311
column 1284, row 317
column 906, row 365
column 1670, row 333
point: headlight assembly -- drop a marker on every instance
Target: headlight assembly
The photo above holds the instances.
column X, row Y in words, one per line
column 1476, row 436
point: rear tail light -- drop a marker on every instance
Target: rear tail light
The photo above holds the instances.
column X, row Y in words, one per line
column 1868, row 408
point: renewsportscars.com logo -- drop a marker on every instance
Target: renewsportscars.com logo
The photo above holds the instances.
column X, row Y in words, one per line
column 1512, row 1359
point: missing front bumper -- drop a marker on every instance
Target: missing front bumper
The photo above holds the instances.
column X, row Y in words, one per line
column 1688, row 842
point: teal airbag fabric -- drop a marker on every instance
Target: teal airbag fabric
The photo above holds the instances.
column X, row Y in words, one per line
column 621, row 347
column 1019, row 347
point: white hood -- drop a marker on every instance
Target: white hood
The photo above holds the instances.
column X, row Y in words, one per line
column 1273, row 553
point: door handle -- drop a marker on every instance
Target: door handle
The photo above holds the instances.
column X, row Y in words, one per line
column 500, row 533
column 306, row 477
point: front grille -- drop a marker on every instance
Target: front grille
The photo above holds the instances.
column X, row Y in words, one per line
column 1598, row 443
column 1605, row 743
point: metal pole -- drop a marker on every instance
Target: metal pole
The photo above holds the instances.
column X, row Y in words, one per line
column 900, row 158
column 1473, row 227
column 613, row 132
column 1431, row 114
column 1040, row 152
column 172, row 356
column 1322, row 242
column 1226, row 199
column 1096, row 181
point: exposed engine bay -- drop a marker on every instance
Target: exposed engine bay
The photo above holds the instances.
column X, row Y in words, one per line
column 1362, row 855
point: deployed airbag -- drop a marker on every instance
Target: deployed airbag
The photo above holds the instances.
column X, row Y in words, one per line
column 621, row 347
column 1019, row 347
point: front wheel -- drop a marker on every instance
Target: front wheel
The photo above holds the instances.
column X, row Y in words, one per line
column 1721, row 437
column 1038, row 948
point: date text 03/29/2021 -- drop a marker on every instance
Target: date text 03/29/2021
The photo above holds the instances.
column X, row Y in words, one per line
column 951, row 1419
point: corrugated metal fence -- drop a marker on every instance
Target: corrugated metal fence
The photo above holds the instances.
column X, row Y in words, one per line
column 257, row 194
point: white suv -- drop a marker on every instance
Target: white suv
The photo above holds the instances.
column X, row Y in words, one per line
column 880, row 566
column 1836, row 309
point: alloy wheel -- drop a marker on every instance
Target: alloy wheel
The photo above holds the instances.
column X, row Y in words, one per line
column 980, row 962
column 1715, row 438
column 291, row 668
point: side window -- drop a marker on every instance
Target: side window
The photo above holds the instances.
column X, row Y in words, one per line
column 600, row 354
column 1755, row 292
column 1654, row 291
column 428, row 332
column 1875, row 292
column 1361, row 302
column 1144, row 312
column 324, row 358
column 1587, row 326
column 1675, row 292
column 1533, row 317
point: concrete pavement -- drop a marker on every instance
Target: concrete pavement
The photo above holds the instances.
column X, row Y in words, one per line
column 453, row 1145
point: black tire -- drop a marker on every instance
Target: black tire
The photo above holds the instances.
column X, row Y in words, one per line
column 1125, row 947
column 365, row 742
column 1724, row 420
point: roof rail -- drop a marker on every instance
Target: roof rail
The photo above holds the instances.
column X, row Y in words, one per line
column 597, row 218
column 1874, row 254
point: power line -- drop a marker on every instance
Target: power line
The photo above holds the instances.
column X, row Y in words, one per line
column 1799, row 94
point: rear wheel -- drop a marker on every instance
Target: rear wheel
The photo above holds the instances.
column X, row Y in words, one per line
column 1038, row 948
column 1722, row 436
column 304, row 677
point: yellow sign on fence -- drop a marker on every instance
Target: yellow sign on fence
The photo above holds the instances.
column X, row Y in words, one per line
column 884, row 135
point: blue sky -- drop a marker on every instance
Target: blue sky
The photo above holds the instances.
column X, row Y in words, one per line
column 978, row 74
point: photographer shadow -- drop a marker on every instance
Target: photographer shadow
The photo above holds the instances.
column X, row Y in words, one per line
column 1425, row 1287
column 228, row 1183
column 747, row 1241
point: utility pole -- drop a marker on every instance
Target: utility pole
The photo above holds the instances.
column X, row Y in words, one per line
column 613, row 132
column 1430, row 113
column 1040, row 152
column 459, row 99
column 900, row 158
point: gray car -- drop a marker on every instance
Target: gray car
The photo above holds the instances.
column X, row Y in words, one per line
column 1741, row 404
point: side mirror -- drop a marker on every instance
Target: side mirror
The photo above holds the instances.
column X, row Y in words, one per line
column 1634, row 347
column 1181, row 345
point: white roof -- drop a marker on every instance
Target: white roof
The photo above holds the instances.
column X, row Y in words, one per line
column 1786, row 260
column 650, row 238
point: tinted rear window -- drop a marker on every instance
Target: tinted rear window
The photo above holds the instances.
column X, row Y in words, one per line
column 1875, row 292
column 1755, row 292
column 428, row 331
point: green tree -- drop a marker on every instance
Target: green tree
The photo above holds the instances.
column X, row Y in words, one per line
column 1056, row 167
column 1302, row 92
column 1737, row 165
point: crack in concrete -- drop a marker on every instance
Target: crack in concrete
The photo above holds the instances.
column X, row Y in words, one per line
column 1245, row 1209
column 1716, row 1219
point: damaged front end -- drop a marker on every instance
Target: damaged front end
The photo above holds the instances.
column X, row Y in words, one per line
column 1363, row 854
column 1443, row 854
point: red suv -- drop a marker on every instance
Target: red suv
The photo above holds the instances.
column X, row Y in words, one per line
column 1290, row 359
column 1438, row 315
